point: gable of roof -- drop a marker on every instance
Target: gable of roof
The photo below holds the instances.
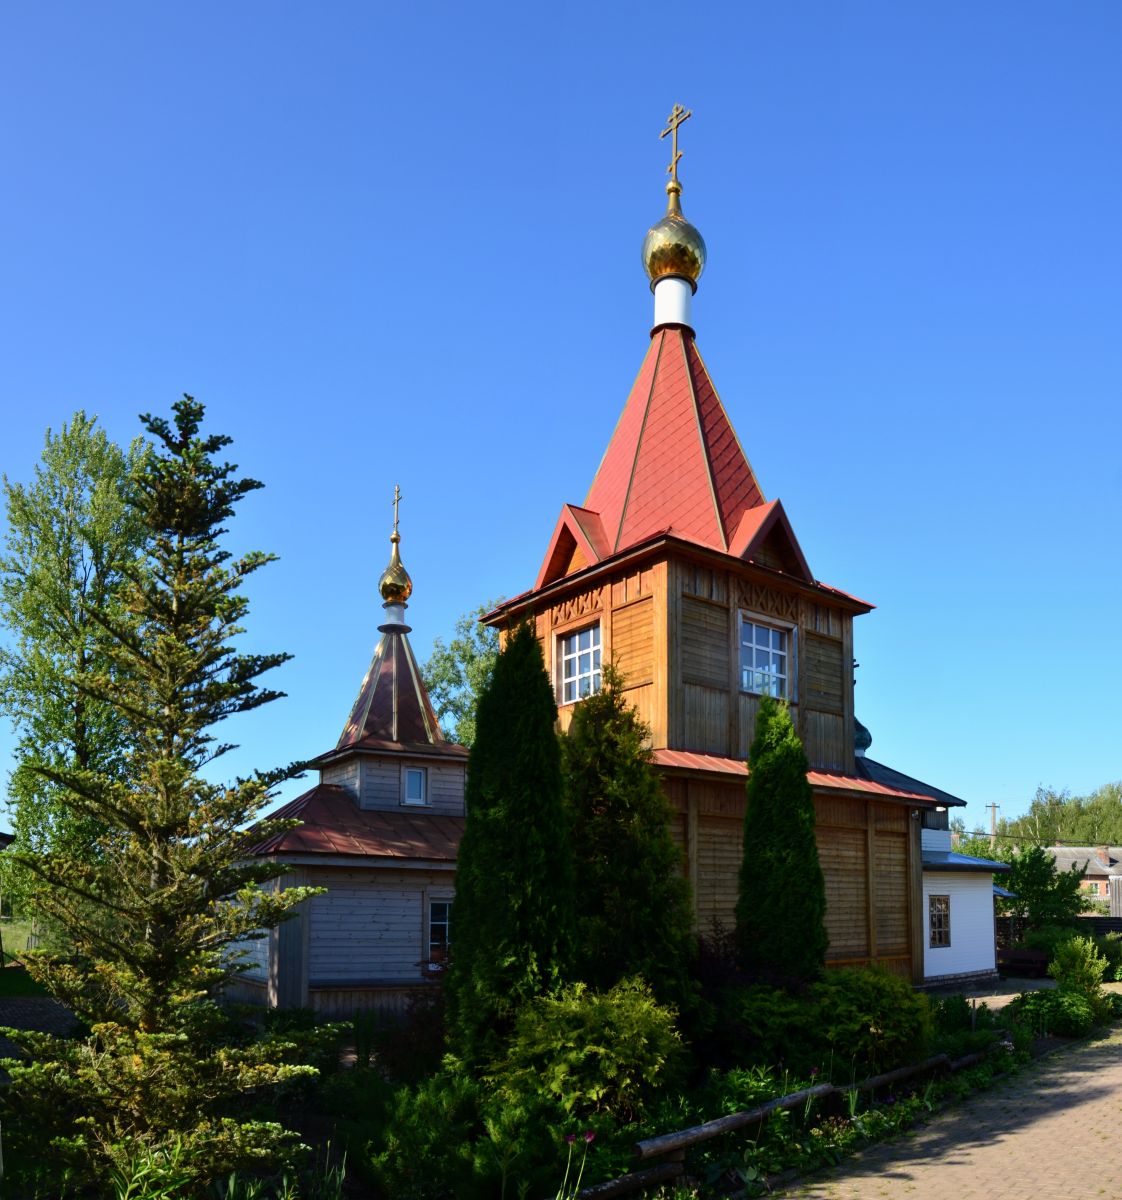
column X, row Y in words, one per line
column 674, row 463
column 578, row 541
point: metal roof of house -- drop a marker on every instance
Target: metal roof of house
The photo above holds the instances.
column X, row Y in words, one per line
column 951, row 860
column 334, row 824
column 828, row 780
column 869, row 768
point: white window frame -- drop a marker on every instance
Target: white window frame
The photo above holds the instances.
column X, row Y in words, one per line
column 790, row 632
column 569, row 652
column 424, row 775
column 436, row 953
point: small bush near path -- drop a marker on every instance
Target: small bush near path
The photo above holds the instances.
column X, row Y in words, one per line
column 15, row 982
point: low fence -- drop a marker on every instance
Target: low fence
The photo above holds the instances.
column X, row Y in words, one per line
column 672, row 1147
column 1009, row 929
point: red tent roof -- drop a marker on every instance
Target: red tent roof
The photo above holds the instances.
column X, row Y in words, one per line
column 334, row 824
column 674, row 462
column 673, row 466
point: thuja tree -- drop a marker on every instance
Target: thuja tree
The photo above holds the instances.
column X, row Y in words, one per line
column 512, row 918
column 781, row 903
column 632, row 906
column 155, row 914
column 71, row 534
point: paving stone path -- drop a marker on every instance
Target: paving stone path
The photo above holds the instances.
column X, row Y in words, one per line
column 1052, row 1132
column 33, row 1012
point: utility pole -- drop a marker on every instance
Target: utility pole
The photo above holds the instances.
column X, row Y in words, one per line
column 993, row 825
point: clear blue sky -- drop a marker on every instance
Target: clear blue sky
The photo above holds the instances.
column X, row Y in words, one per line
column 400, row 244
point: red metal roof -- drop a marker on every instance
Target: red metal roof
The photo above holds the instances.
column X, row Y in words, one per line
column 832, row 780
column 674, row 461
column 393, row 709
column 334, row 824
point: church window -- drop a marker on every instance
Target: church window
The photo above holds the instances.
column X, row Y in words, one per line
column 939, row 917
column 766, row 658
column 415, row 786
column 580, row 664
column 440, row 929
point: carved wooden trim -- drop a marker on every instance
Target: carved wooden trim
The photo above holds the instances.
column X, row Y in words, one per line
column 757, row 597
column 575, row 607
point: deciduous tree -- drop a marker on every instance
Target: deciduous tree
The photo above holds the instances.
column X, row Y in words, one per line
column 457, row 673
column 71, row 535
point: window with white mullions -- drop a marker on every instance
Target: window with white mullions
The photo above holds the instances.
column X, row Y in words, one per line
column 939, row 919
column 440, row 929
column 580, row 664
column 765, row 659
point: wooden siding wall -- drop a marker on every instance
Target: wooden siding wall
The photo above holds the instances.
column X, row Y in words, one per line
column 709, row 713
column 377, row 783
column 371, row 927
column 631, row 612
column 673, row 629
column 868, row 852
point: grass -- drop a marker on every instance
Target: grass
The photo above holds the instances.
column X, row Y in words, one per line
column 14, row 934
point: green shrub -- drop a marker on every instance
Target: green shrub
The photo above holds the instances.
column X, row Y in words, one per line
column 767, row 1026
column 426, row 1146
column 1062, row 1013
column 1078, row 966
column 871, row 1021
column 589, row 1053
column 1047, row 938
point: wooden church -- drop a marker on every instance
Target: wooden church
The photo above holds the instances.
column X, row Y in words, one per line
column 680, row 572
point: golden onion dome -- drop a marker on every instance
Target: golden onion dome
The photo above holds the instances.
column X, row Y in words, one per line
column 395, row 585
column 674, row 247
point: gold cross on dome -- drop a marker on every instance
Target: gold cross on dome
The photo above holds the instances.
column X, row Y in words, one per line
column 396, row 502
column 676, row 118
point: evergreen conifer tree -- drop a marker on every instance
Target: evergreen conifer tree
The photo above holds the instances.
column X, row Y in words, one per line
column 781, row 903
column 632, row 906
column 512, row 918
column 155, row 914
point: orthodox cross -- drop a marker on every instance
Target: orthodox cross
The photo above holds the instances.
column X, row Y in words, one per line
column 676, row 118
column 396, row 502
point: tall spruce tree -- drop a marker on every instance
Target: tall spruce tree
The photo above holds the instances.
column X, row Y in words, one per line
column 781, row 904
column 632, row 906
column 512, row 918
column 155, row 914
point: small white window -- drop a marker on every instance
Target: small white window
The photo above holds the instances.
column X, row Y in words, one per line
column 765, row 658
column 580, row 664
column 415, row 786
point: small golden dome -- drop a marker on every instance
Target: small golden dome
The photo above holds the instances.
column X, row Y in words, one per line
column 395, row 585
column 674, row 247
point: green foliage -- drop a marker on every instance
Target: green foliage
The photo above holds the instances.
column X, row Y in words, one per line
column 1077, row 965
column 512, row 918
column 71, row 536
column 781, row 903
column 590, row 1053
column 1059, row 1012
column 1044, row 896
column 428, row 1140
column 768, row 1026
column 632, row 906
column 1052, row 817
column 872, row 1021
column 457, row 674
column 154, row 914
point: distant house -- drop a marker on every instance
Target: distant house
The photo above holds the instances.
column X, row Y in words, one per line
column 1100, row 867
column 958, row 889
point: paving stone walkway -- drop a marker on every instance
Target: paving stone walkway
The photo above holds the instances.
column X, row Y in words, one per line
column 1052, row 1132
column 33, row 1012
